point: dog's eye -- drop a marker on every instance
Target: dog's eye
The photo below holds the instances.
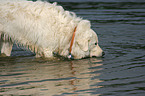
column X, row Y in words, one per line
column 96, row 43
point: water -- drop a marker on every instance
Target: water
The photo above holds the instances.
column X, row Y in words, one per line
column 120, row 25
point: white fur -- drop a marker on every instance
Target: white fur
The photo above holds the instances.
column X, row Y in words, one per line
column 45, row 28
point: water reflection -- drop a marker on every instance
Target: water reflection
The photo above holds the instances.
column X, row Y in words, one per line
column 41, row 78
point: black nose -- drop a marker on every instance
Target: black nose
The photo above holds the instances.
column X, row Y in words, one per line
column 103, row 53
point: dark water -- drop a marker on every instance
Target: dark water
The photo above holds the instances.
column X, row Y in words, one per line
column 120, row 25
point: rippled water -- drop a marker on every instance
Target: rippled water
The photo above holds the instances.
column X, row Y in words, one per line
column 120, row 25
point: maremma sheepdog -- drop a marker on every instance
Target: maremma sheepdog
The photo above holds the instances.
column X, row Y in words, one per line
column 46, row 29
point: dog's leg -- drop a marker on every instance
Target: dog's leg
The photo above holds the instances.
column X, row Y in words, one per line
column 5, row 48
column 48, row 54
column 64, row 53
column 5, row 45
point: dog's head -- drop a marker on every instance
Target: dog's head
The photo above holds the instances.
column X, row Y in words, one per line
column 86, row 42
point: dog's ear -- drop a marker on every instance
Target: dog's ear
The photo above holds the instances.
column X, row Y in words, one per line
column 83, row 35
column 83, row 25
column 83, row 44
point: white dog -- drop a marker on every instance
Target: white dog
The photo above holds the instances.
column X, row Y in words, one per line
column 45, row 29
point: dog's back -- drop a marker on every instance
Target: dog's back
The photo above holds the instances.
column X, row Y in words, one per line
column 26, row 22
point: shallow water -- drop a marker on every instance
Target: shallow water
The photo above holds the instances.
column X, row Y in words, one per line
column 120, row 26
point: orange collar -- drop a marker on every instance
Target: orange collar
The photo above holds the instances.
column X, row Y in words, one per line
column 71, row 44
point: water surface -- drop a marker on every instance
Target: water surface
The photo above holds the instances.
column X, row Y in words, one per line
column 120, row 25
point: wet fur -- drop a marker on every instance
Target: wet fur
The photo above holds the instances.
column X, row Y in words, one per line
column 44, row 28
